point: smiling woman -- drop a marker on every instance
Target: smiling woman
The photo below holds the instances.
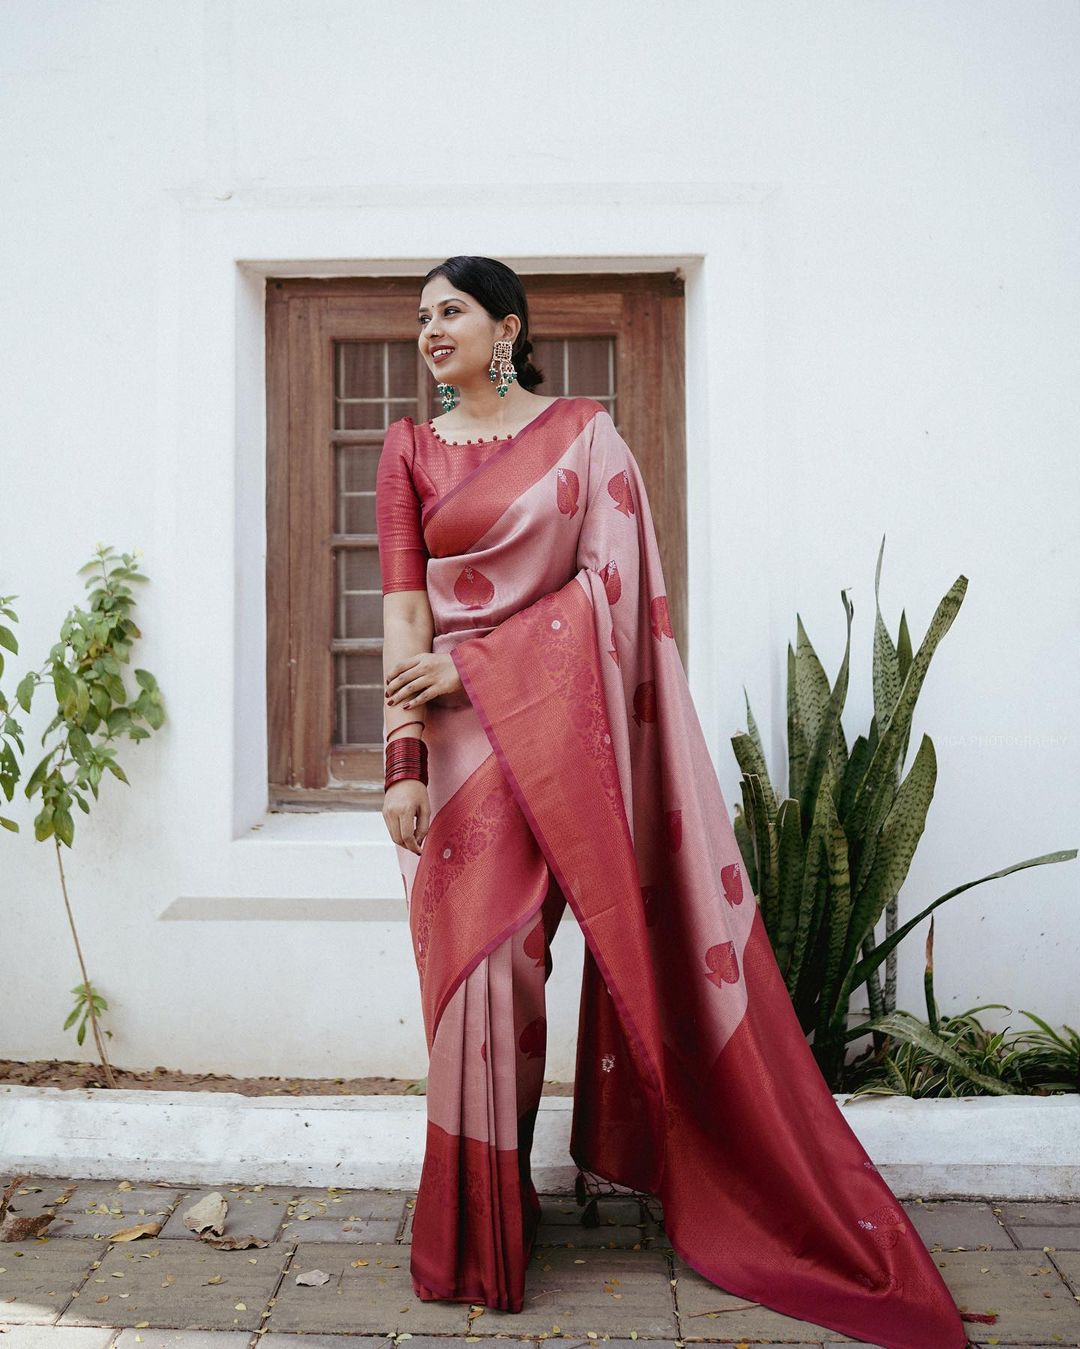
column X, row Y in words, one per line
column 528, row 637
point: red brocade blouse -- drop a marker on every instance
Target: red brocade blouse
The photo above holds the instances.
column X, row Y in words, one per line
column 416, row 468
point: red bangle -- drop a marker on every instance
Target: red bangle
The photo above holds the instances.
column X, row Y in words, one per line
column 405, row 758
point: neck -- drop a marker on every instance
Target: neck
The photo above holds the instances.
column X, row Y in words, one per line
column 480, row 402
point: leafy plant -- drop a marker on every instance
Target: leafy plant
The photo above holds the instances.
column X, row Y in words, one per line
column 92, row 712
column 958, row 1056
column 828, row 860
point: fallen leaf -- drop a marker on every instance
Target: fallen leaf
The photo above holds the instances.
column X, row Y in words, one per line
column 208, row 1214
column 232, row 1242
column 16, row 1227
column 313, row 1278
column 139, row 1230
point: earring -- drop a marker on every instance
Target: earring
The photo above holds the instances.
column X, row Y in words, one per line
column 502, row 365
column 449, row 397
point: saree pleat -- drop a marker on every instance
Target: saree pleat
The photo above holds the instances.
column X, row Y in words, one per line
column 573, row 770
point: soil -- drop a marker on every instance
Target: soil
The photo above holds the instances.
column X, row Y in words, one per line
column 69, row 1074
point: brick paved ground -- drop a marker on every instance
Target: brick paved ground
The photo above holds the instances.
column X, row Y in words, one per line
column 617, row 1282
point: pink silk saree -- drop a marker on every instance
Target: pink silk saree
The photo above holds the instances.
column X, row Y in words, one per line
column 573, row 769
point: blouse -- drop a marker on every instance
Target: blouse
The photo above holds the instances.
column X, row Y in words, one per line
column 416, row 468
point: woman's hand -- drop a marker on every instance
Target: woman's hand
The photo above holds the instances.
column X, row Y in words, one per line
column 407, row 812
column 423, row 677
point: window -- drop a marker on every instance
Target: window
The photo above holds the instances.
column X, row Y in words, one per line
column 342, row 364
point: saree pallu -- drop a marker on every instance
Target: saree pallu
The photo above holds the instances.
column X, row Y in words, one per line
column 573, row 770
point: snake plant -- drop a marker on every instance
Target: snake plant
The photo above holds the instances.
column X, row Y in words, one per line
column 828, row 861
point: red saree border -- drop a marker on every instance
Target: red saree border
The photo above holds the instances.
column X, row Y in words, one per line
column 581, row 607
column 492, row 458
column 480, row 818
column 507, row 473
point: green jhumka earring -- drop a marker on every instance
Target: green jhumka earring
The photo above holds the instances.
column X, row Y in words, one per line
column 502, row 365
column 449, row 397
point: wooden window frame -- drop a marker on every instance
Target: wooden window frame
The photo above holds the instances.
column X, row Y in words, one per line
column 305, row 318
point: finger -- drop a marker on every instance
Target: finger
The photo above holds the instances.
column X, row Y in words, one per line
column 405, row 691
column 425, row 821
column 405, row 833
column 409, row 835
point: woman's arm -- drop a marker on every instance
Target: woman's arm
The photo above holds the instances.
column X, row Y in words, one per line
column 408, row 629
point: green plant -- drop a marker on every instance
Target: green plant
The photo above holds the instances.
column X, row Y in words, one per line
column 828, row 860
column 92, row 712
column 958, row 1056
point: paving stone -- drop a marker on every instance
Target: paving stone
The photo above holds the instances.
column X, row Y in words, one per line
column 1014, row 1213
column 590, row 1238
column 181, row 1339
column 38, row 1278
column 1069, row 1264
column 406, row 1231
column 364, row 1230
column 620, row 1224
column 59, row 1337
column 710, row 1312
column 347, row 1215
column 279, row 1340
column 376, row 1298
column 614, row 1211
column 250, row 1211
column 609, row 1292
column 949, row 1223
column 1035, row 1238
column 92, row 1208
column 166, row 1284
column 1033, row 1303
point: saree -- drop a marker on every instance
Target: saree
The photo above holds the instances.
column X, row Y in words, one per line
column 573, row 770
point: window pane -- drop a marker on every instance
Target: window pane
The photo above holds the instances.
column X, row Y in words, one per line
column 375, row 384
column 358, row 700
column 577, row 367
column 359, row 599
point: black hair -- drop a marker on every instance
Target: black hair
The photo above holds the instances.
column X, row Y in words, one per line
column 498, row 288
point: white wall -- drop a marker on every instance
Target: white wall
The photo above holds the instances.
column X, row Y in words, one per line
column 875, row 207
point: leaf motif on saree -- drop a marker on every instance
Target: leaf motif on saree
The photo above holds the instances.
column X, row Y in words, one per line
column 533, row 1039
column 660, row 618
column 621, row 493
column 723, row 964
column 473, row 589
column 731, row 880
column 645, row 701
column 535, row 944
column 609, row 574
column 567, row 491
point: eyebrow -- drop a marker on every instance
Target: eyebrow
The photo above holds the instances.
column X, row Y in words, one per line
column 450, row 299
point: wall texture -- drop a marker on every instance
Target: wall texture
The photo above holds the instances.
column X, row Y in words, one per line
column 875, row 208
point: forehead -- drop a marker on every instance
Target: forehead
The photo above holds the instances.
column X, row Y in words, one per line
column 438, row 291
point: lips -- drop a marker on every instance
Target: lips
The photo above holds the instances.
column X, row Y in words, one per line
column 440, row 354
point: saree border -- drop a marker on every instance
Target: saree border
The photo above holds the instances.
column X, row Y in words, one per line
column 652, row 1070
column 511, row 474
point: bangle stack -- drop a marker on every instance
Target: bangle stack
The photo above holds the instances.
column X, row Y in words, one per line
column 406, row 757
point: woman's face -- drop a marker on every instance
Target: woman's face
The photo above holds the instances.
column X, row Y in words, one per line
column 457, row 334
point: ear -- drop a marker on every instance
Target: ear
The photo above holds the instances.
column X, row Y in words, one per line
column 509, row 327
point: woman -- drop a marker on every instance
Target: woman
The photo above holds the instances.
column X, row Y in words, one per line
column 542, row 749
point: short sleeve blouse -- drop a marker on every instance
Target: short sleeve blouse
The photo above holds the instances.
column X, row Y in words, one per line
column 403, row 556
